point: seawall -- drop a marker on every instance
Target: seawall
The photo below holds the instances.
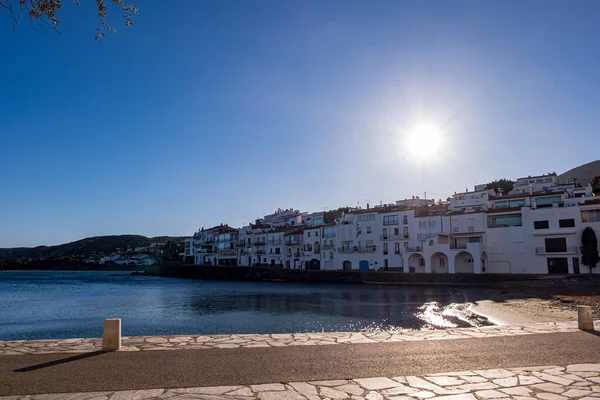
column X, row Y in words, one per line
column 237, row 273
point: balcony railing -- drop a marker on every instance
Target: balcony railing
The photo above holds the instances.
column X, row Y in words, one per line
column 568, row 249
column 426, row 236
column 259, row 243
column 274, row 241
column 393, row 236
column 414, row 249
column 460, row 246
column 292, row 242
column 356, row 249
column 328, row 246
column 242, row 244
column 296, row 254
column 227, row 253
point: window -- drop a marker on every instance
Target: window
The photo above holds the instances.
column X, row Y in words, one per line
column 540, row 225
column 368, row 229
column 358, row 230
column 566, row 223
column 406, row 232
column 588, row 216
column 331, row 255
column 277, row 250
column 365, row 217
column 369, row 243
column 405, row 245
column 405, row 219
column 505, row 221
column 421, row 262
column 317, row 247
column 317, row 234
column 396, row 231
column 308, row 234
column 510, row 203
column 385, row 248
column 329, row 232
column 391, row 220
column 471, row 222
column 397, row 248
column 384, row 233
column 454, row 225
column 442, row 262
column 547, row 201
column 556, row 245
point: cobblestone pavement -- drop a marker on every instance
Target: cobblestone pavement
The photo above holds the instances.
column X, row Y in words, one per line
column 572, row 382
column 143, row 343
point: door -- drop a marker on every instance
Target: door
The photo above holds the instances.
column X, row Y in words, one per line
column 575, row 265
column 558, row 265
column 363, row 265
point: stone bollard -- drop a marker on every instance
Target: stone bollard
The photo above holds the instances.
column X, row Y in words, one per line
column 584, row 318
column 112, row 335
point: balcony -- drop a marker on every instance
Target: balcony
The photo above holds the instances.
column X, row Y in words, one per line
column 328, row 247
column 459, row 246
column 273, row 242
column 259, row 243
column 296, row 254
column 414, row 249
column 567, row 250
column 292, row 242
column 391, row 236
column 356, row 249
column 227, row 253
column 426, row 236
column 241, row 244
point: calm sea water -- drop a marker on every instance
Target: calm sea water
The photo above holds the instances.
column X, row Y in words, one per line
column 45, row 305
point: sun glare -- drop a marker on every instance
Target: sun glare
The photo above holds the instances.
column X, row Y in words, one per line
column 424, row 141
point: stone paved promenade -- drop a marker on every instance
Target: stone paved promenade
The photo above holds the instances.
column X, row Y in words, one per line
column 142, row 343
column 570, row 382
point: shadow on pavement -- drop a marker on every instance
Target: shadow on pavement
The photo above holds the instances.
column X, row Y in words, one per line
column 58, row 362
column 594, row 332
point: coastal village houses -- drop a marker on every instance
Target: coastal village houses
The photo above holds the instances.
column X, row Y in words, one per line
column 534, row 229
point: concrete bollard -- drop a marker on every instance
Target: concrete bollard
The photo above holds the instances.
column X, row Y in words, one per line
column 112, row 335
column 584, row 318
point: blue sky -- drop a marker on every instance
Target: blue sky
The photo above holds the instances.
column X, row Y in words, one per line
column 221, row 111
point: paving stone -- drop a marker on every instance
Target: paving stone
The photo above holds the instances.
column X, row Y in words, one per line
column 576, row 393
column 329, row 383
column 507, row 382
column 553, row 378
column 416, row 382
column 460, row 374
column 490, row 394
column 401, row 379
column 377, row 383
column 517, row 391
column 392, row 398
column 206, row 390
column 304, row 388
column 136, row 394
column 402, row 389
column 473, row 379
column 585, row 374
column 351, row 388
column 281, row 395
column 269, row 387
column 466, row 396
column 529, row 380
column 241, row 392
column 549, row 387
column 584, row 368
column 373, row 396
column 495, row 373
column 423, row 394
column 474, row 386
column 550, row 396
column 585, row 383
column 332, row 393
column 445, row 380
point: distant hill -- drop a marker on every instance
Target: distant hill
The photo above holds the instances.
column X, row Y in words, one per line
column 82, row 248
column 583, row 174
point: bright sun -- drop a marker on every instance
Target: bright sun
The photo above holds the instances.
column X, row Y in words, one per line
column 424, row 141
